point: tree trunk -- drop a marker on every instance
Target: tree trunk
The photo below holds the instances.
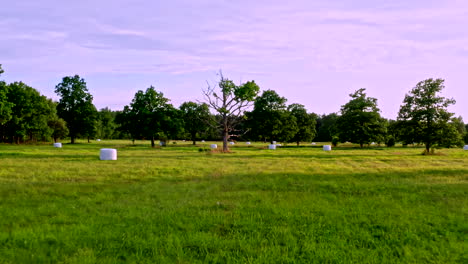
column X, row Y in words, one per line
column 88, row 140
column 225, row 132
column 361, row 144
column 72, row 139
column 152, row 141
column 297, row 143
column 225, row 139
column 55, row 139
column 194, row 139
column 428, row 146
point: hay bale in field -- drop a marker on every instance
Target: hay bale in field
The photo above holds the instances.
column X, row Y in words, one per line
column 231, row 143
column 57, row 145
column 273, row 142
column 98, row 140
column 214, row 146
column 272, row 146
column 203, row 141
column 278, row 145
column 327, row 147
column 465, row 147
column 313, row 143
column 247, row 143
column 108, row 154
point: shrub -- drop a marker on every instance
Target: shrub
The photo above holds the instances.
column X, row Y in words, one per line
column 390, row 142
column 335, row 141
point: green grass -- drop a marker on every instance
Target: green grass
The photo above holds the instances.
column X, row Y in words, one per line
column 179, row 205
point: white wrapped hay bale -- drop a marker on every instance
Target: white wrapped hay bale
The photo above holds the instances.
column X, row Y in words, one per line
column 278, row 145
column 272, row 146
column 247, row 143
column 203, row 141
column 465, row 147
column 98, row 140
column 214, row 146
column 327, row 147
column 231, row 143
column 273, row 142
column 313, row 143
column 108, row 154
column 57, row 145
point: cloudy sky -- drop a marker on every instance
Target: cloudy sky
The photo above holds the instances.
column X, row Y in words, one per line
column 312, row 52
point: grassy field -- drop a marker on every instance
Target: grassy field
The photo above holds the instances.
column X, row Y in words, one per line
column 181, row 205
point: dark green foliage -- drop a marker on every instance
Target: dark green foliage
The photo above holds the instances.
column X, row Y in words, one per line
column 452, row 134
column 196, row 119
column 424, row 114
column 326, row 127
column 360, row 121
column 30, row 113
column 230, row 104
column 335, row 140
column 106, row 124
column 76, row 107
column 390, row 141
column 150, row 116
column 466, row 134
column 305, row 123
column 270, row 119
column 5, row 105
column 59, row 128
column 124, row 121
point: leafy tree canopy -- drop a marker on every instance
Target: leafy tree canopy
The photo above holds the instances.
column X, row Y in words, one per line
column 196, row 118
column 76, row 106
column 305, row 123
column 360, row 121
column 424, row 113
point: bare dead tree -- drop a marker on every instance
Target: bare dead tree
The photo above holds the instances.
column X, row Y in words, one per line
column 230, row 103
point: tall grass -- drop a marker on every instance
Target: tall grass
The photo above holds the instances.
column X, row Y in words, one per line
column 253, row 205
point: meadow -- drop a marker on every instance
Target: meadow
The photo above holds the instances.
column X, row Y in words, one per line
column 185, row 204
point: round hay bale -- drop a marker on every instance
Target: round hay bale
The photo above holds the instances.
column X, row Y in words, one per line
column 214, row 146
column 108, row 154
column 327, row 147
column 278, row 145
column 465, row 147
column 57, row 145
column 203, row 141
column 98, row 140
column 313, row 143
column 231, row 143
column 273, row 142
column 272, row 146
column 247, row 143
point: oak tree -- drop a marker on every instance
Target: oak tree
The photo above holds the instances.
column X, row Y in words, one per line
column 425, row 112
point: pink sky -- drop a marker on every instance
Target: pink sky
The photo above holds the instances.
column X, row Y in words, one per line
column 311, row 52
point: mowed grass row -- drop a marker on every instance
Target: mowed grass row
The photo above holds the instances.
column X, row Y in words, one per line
column 181, row 205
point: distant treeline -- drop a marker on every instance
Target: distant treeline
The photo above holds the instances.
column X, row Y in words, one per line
column 238, row 112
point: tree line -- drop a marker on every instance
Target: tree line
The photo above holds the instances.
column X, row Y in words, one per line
column 230, row 112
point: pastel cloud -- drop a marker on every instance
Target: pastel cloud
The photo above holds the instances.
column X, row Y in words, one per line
column 302, row 49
